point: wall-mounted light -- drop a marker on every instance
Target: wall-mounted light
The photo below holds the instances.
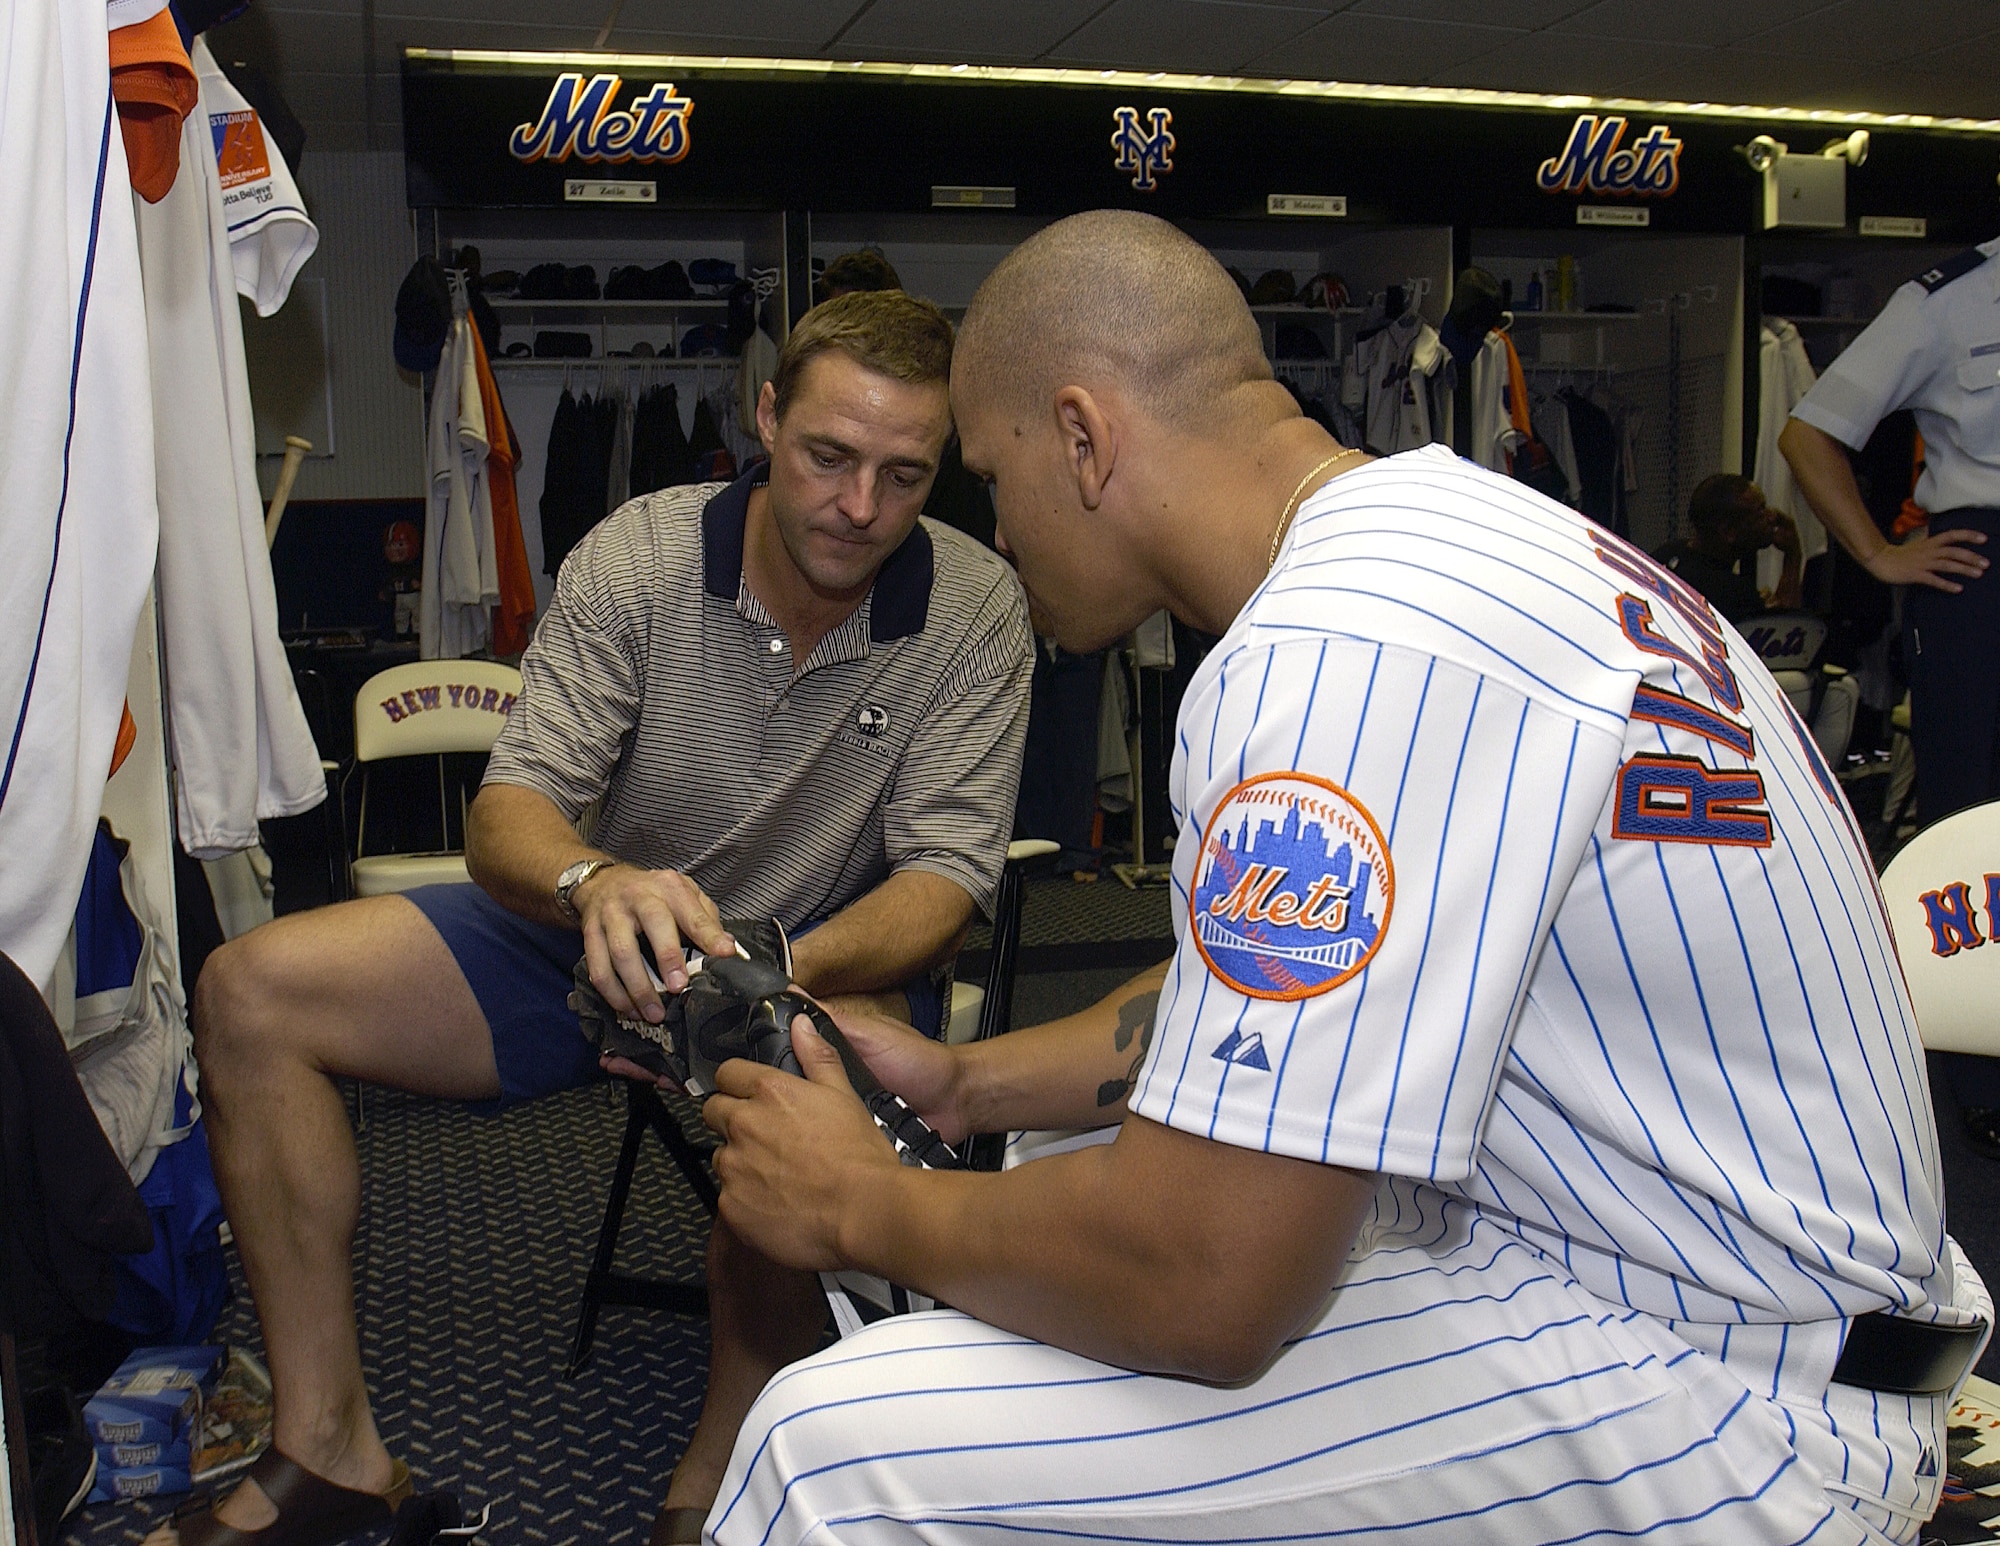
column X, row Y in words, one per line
column 1851, row 148
column 1762, row 151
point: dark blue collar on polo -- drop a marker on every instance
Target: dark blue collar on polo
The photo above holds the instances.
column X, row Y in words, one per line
column 900, row 601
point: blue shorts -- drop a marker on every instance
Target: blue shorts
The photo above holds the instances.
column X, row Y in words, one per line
column 520, row 972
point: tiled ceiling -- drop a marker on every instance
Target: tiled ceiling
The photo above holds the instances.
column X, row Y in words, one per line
column 336, row 60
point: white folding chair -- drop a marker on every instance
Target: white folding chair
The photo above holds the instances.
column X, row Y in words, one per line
column 1942, row 891
column 1824, row 696
column 427, row 709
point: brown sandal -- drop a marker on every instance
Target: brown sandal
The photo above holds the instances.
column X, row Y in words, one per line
column 312, row 1511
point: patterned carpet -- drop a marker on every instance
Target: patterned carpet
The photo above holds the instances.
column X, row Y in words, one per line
column 474, row 1240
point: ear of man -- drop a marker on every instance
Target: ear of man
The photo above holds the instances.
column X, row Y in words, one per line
column 1090, row 440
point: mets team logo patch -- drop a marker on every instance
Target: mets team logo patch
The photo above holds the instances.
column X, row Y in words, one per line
column 1293, row 889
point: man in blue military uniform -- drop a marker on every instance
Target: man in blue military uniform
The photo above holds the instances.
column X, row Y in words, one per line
column 1935, row 349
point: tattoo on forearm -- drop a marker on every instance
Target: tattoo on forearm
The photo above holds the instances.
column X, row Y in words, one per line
column 1135, row 1018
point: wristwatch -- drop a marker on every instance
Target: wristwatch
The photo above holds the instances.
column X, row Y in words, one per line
column 573, row 877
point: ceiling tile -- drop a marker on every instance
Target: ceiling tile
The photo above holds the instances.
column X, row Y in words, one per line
column 1380, row 49
column 393, row 34
column 1876, row 31
column 1200, row 36
column 1736, row 76
column 1921, row 88
column 1967, row 58
column 454, row 14
column 1555, row 62
column 801, row 26
column 1525, row 14
column 1689, row 21
column 962, row 29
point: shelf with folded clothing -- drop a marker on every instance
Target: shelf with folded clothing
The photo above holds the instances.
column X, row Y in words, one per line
column 721, row 362
column 1584, row 318
column 574, row 308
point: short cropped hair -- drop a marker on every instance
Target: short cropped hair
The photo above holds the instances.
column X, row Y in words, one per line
column 886, row 331
column 1717, row 498
column 862, row 270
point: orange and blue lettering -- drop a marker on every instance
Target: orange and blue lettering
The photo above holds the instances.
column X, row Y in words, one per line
column 1681, row 800
column 1949, row 916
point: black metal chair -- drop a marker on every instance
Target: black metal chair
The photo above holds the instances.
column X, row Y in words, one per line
column 644, row 1109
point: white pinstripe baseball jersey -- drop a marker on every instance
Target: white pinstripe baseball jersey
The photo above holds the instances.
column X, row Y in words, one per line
column 1619, row 976
column 1504, row 871
column 77, row 518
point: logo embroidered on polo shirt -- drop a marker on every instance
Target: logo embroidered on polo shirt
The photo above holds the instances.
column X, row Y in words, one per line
column 1292, row 893
column 871, row 721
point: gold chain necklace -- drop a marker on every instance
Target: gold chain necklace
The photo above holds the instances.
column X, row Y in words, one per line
column 1285, row 520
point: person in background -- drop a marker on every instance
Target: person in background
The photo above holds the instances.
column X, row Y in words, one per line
column 1731, row 525
column 1935, row 349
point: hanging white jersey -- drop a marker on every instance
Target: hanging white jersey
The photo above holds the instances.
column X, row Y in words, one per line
column 78, row 522
column 270, row 233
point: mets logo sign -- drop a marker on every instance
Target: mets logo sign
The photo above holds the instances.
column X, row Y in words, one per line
column 577, row 120
column 1293, row 888
column 1596, row 160
column 1144, row 151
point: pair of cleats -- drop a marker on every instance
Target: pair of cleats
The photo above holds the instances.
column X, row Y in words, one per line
column 743, row 1006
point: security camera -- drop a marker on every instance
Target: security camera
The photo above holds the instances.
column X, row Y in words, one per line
column 1762, row 151
column 1853, row 149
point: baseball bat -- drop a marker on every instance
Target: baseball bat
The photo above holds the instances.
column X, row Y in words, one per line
column 295, row 451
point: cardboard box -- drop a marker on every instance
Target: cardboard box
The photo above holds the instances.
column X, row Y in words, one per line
column 178, row 1456
column 154, row 1397
column 115, row 1486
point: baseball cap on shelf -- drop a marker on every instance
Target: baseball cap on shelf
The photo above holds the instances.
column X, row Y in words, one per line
column 670, row 282
column 543, row 282
column 423, row 316
column 712, row 273
column 710, row 338
column 1328, row 290
column 1274, row 287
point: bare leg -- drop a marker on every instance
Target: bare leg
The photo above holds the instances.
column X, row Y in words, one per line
column 761, row 1318
column 366, row 989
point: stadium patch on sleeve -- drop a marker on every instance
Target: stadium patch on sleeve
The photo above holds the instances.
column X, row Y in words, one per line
column 1293, row 889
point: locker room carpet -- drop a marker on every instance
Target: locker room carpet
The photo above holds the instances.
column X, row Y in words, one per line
column 475, row 1236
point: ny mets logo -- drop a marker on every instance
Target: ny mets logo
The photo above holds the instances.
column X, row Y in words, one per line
column 577, row 120
column 1293, row 888
column 1592, row 161
column 1144, row 152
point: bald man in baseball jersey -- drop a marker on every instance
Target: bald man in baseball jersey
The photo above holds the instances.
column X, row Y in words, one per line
column 1528, row 1140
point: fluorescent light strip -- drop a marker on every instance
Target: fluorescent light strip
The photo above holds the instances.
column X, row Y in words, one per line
column 1161, row 80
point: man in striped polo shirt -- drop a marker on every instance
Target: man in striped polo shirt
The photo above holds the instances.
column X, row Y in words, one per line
column 785, row 697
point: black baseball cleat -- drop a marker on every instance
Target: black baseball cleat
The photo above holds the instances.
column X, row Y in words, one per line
column 743, row 1006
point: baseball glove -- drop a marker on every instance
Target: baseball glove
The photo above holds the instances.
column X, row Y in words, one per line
column 743, row 1006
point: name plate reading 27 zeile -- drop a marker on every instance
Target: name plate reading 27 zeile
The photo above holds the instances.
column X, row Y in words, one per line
column 578, row 191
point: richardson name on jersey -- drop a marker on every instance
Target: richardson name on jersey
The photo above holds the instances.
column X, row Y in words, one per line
column 578, row 121
column 1293, row 888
